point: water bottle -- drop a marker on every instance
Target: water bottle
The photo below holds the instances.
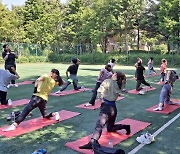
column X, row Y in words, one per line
column 13, row 117
column 110, row 144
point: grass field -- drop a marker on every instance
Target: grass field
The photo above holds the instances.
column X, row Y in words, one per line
column 52, row 138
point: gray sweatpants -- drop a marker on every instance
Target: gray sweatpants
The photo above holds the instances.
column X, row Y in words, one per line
column 165, row 94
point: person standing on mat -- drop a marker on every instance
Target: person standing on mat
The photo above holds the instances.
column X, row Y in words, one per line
column 5, row 79
column 167, row 90
column 140, row 76
column 72, row 78
column 108, row 92
column 43, row 87
column 9, row 58
column 150, row 66
column 163, row 69
column 105, row 73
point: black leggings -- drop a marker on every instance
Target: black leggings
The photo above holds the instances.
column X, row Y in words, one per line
column 3, row 100
column 107, row 116
column 93, row 98
column 35, row 102
column 139, row 83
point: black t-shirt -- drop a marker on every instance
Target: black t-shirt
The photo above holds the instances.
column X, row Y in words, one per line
column 73, row 69
column 140, row 71
column 10, row 60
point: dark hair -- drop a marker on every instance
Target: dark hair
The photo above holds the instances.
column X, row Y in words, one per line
column 151, row 58
column 4, row 46
column 59, row 80
column 113, row 60
column 74, row 60
column 120, row 77
column 55, row 71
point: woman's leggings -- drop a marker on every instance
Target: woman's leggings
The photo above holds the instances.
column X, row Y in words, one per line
column 93, row 98
column 75, row 82
column 139, row 83
column 35, row 102
column 3, row 100
column 107, row 116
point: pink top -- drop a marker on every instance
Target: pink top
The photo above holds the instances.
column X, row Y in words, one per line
column 163, row 68
column 104, row 74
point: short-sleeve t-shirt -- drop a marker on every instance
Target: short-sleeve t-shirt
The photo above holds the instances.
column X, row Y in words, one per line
column 45, row 87
column 5, row 79
column 10, row 60
column 140, row 72
column 73, row 69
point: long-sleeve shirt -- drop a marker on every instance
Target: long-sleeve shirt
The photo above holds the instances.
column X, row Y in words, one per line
column 109, row 90
column 104, row 74
column 5, row 79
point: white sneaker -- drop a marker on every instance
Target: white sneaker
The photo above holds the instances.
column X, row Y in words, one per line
column 10, row 128
column 10, row 102
column 88, row 104
column 158, row 109
column 146, row 138
column 57, row 116
column 83, row 88
column 141, row 92
column 16, row 85
column 58, row 92
column 9, row 85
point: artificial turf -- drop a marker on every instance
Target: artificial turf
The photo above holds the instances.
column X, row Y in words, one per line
column 52, row 138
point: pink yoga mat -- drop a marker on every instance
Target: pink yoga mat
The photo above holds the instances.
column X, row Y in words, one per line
column 160, row 83
column 116, row 137
column 167, row 109
column 15, row 103
column 151, row 75
column 96, row 106
column 25, row 82
column 69, row 92
column 37, row 123
column 134, row 91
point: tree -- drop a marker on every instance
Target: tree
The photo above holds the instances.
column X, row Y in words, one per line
column 168, row 19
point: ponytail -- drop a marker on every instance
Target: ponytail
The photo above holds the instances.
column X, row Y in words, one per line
column 121, row 77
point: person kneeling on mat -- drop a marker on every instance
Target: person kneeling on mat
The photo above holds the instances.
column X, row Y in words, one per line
column 167, row 90
column 108, row 92
column 43, row 87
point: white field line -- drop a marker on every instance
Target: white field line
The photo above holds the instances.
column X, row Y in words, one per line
column 136, row 149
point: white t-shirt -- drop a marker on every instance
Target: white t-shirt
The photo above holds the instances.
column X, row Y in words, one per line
column 112, row 64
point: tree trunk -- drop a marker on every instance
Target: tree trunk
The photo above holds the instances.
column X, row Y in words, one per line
column 126, row 39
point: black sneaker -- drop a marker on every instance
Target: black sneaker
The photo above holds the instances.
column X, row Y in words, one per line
column 86, row 146
column 127, row 128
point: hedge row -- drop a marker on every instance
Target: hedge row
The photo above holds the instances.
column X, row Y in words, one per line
column 29, row 59
column 99, row 58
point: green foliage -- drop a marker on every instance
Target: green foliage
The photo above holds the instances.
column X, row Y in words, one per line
column 31, row 59
column 100, row 58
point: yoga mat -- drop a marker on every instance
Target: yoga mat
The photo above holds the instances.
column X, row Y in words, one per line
column 154, row 74
column 160, row 83
column 25, row 82
column 116, row 137
column 96, row 106
column 69, row 92
column 15, row 103
column 37, row 123
column 167, row 109
column 134, row 91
